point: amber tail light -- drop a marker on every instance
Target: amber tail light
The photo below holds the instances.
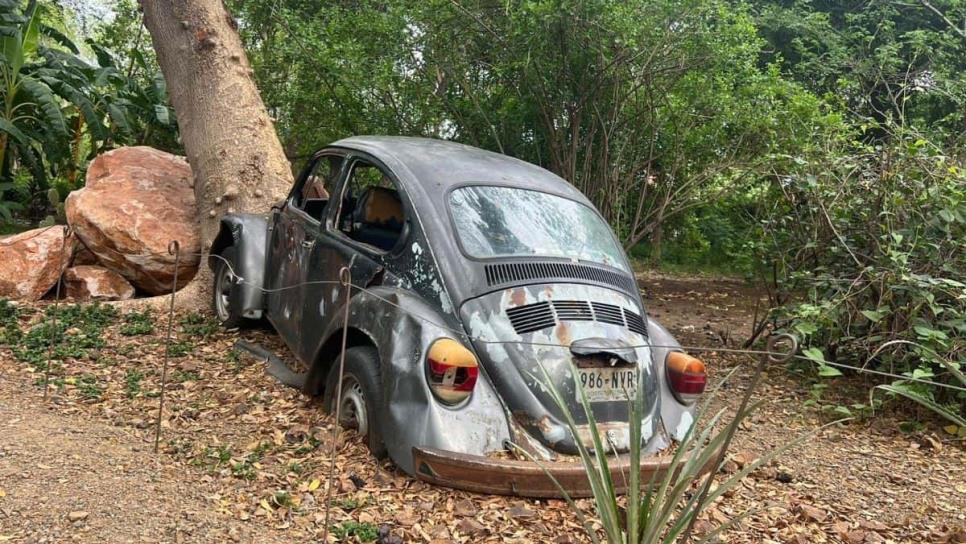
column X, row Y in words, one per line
column 686, row 375
column 451, row 370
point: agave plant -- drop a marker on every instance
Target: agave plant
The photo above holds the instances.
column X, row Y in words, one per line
column 663, row 509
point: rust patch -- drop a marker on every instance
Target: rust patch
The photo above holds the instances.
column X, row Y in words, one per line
column 544, row 425
column 562, row 332
column 518, row 297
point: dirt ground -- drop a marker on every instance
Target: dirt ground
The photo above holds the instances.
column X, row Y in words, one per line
column 244, row 459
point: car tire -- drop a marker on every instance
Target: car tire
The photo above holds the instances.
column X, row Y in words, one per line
column 361, row 396
column 222, row 291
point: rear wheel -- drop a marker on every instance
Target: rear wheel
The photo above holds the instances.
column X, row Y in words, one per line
column 361, row 397
column 222, row 292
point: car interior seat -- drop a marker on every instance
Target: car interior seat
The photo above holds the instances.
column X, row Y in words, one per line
column 315, row 198
column 379, row 217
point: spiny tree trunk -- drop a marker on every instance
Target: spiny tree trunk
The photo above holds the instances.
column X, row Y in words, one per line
column 237, row 160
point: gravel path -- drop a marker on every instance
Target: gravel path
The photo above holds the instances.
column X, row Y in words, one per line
column 65, row 477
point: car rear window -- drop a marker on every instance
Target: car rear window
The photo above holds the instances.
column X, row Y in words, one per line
column 512, row 222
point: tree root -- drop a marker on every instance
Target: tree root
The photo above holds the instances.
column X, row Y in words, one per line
column 195, row 297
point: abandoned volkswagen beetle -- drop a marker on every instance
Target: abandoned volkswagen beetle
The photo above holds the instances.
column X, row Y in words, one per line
column 469, row 269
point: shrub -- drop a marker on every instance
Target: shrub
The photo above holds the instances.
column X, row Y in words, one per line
column 871, row 243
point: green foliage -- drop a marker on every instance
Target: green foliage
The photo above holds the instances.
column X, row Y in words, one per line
column 925, row 396
column 180, row 348
column 348, row 504
column 185, row 376
column 213, row 457
column 869, row 242
column 244, row 468
column 132, row 382
column 883, row 61
column 138, row 323
column 79, row 331
column 364, row 532
column 59, row 108
column 648, row 123
column 89, row 388
column 200, row 326
column 9, row 322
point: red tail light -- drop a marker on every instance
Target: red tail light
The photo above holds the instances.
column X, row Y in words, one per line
column 686, row 375
column 451, row 370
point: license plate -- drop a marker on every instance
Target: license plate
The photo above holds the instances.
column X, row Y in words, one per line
column 607, row 384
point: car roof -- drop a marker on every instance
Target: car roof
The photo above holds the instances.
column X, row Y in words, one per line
column 438, row 165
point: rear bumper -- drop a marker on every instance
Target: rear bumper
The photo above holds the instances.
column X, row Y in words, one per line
column 521, row 478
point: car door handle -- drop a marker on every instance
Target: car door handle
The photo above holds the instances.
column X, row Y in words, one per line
column 308, row 243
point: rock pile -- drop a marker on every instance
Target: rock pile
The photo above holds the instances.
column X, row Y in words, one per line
column 135, row 201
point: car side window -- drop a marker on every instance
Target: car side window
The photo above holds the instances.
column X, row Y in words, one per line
column 371, row 210
column 313, row 196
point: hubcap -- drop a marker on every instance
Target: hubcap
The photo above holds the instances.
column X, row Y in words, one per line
column 352, row 413
column 222, row 290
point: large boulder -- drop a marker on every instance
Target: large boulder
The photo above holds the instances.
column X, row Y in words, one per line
column 135, row 202
column 31, row 262
column 88, row 282
column 82, row 255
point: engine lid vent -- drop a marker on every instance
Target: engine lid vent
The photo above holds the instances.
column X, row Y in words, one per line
column 531, row 317
column 541, row 315
column 608, row 313
column 498, row 274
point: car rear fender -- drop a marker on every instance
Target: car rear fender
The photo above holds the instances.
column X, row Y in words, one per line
column 249, row 234
column 676, row 417
column 402, row 326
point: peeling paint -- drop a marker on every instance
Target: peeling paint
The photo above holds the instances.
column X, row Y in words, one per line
column 683, row 426
column 520, row 381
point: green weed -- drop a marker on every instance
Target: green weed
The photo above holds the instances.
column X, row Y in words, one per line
column 180, row 348
column 88, row 387
column 132, row 383
column 181, row 376
column 365, row 532
column 79, row 330
column 197, row 325
column 138, row 324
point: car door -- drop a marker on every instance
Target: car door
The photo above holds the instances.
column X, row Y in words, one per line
column 359, row 232
column 295, row 231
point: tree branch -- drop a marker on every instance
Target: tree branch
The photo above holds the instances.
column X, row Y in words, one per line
column 952, row 25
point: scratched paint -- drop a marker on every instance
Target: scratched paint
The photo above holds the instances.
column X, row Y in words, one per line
column 515, row 366
column 433, row 294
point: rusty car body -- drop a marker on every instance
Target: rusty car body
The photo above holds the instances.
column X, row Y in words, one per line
column 469, row 270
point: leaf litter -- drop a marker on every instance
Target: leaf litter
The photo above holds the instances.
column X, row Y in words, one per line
column 262, row 448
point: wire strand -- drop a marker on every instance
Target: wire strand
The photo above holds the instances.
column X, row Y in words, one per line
column 646, row 345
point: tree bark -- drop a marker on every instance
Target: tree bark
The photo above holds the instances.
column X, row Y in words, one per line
column 236, row 157
column 657, row 240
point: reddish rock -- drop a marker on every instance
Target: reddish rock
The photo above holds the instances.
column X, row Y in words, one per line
column 135, row 202
column 88, row 282
column 82, row 255
column 31, row 262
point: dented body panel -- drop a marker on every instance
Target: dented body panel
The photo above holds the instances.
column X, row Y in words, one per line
column 247, row 232
column 513, row 360
column 514, row 314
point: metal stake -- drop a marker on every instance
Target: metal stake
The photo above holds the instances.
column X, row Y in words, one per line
column 345, row 277
column 54, row 330
column 174, row 248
